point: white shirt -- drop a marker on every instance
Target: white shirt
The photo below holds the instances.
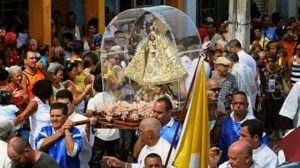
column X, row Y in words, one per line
column 246, row 82
column 9, row 112
column 249, row 116
column 5, row 162
column 265, row 157
column 161, row 148
column 93, row 104
column 38, row 120
column 55, row 90
column 290, row 107
column 86, row 151
column 227, row 165
column 246, row 59
column 192, row 70
column 186, row 62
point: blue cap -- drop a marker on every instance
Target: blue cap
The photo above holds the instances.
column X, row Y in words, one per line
column 97, row 39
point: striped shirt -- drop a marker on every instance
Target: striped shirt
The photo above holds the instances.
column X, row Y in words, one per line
column 295, row 77
column 228, row 85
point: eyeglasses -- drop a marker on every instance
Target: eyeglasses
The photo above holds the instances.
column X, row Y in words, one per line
column 215, row 89
column 297, row 49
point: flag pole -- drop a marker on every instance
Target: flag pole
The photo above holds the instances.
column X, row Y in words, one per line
column 183, row 111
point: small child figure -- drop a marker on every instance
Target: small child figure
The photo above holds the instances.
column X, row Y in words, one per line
column 7, row 108
column 44, row 51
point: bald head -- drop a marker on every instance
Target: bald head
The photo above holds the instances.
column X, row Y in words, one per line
column 20, row 152
column 241, row 147
column 211, row 83
column 213, row 87
column 151, row 124
column 240, row 154
column 18, row 144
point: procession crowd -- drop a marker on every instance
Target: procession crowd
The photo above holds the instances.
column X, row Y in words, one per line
column 253, row 95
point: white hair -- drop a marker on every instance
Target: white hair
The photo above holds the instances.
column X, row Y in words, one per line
column 6, row 128
column 152, row 124
column 14, row 69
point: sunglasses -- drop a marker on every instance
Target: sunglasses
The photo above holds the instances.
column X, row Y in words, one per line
column 297, row 49
column 215, row 89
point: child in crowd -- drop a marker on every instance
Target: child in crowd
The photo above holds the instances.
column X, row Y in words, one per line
column 7, row 108
column 44, row 51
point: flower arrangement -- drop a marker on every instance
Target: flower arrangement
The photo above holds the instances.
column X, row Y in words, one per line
column 128, row 111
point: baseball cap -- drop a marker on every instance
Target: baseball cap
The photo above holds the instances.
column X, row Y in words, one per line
column 209, row 19
column 10, row 37
column 223, row 61
column 97, row 39
column 116, row 48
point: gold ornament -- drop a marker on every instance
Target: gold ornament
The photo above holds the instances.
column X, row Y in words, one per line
column 155, row 62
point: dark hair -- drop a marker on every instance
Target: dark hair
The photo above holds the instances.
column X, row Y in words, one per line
column 256, row 27
column 93, row 22
column 264, row 16
column 60, row 106
column 212, row 24
column 64, row 94
column 43, row 49
column 234, row 43
column 5, row 97
column 167, row 102
column 233, row 57
column 153, row 155
column 3, row 75
column 2, row 55
column 274, row 58
column 275, row 17
column 77, row 47
column 240, row 93
column 68, row 68
column 89, row 59
column 68, row 36
column 118, row 31
column 71, row 13
column 55, row 12
column 254, row 127
column 43, row 89
column 98, row 84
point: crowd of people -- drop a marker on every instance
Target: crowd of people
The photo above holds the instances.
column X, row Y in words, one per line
column 45, row 90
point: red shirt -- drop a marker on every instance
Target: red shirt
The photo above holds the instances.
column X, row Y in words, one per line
column 202, row 32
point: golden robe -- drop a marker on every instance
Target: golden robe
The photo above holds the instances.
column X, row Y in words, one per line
column 155, row 62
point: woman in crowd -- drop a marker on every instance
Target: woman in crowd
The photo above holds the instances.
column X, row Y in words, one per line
column 71, row 71
column 273, row 95
column 14, row 86
column 57, row 72
column 38, row 109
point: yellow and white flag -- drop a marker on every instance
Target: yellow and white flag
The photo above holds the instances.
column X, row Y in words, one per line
column 193, row 147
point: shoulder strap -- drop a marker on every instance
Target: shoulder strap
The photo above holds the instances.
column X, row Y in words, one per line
column 27, row 79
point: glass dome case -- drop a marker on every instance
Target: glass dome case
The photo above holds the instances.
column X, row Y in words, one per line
column 142, row 53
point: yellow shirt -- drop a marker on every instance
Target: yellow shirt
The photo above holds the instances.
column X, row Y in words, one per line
column 79, row 83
